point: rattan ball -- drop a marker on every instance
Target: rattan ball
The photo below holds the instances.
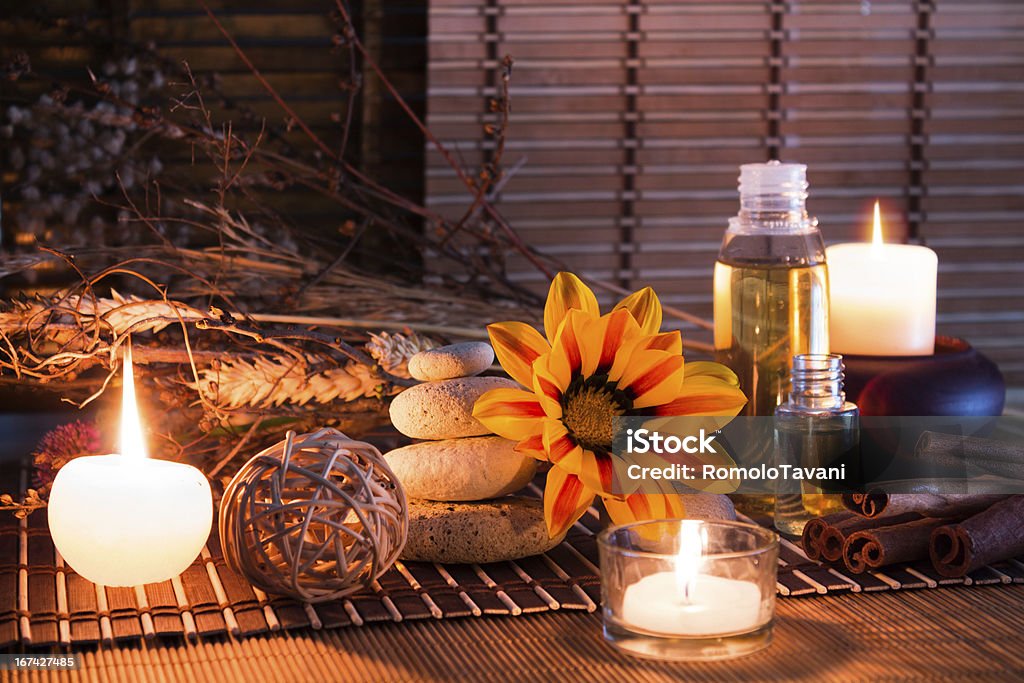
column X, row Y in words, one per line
column 316, row 517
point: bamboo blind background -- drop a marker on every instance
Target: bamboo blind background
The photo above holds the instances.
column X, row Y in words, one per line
column 630, row 118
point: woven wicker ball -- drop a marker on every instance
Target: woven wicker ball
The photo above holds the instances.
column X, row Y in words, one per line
column 315, row 517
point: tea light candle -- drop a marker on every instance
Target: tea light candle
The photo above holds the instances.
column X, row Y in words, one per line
column 126, row 519
column 685, row 602
column 882, row 297
column 715, row 606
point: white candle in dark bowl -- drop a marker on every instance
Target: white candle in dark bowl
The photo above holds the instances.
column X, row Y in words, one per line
column 882, row 297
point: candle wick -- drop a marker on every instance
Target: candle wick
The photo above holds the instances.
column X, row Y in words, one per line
column 686, row 591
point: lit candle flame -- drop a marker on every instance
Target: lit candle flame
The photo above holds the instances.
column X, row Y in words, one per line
column 876, row 235
column 690, row 558
column 132, row 442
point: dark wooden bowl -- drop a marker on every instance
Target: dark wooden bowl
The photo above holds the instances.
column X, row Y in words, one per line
column 956, row 381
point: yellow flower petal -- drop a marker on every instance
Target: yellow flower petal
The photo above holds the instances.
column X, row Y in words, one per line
column 652, row 378
column 566, row 499
column 533, row 445
column 548, row 387
column 512, row 413
column 561, row 448
column 703, row 368
column 566, row 357
column 670, row 342
column 567, row 292
column 639, row 507
column 597, row 471
column 667, row 341
column 645, row 308
column 602, row 338
column 703, row 395
column 623, row 356
column 517, row 345
column 686, row 425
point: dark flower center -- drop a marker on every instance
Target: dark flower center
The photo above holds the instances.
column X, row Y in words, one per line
column 589, row 408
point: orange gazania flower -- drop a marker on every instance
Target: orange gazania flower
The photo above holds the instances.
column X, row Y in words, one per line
column 590, row 369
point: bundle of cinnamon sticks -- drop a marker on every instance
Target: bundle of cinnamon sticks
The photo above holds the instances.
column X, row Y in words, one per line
column 958, row 532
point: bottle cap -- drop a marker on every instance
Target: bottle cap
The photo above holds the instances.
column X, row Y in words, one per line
column 773, row 178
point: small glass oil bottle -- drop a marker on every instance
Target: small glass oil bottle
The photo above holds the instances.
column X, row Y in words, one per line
column 770, row 300
column 816, row 427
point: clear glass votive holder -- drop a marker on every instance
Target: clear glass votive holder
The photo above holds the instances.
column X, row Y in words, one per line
column 688, row 589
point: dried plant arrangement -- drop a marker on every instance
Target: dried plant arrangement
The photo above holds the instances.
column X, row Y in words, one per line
column 240, row 318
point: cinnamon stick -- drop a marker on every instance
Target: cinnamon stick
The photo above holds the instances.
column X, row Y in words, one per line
column 814, row 531
column 824, row 537
column 878, row 504
column 953, row 450
column 991, row 536
column 874, row 548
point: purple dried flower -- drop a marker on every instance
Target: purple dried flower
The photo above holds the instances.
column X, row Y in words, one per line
column 60, row 445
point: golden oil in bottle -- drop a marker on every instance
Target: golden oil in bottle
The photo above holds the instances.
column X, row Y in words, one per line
column 770, row 300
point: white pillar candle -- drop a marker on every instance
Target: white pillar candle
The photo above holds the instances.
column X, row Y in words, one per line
column 882, row 298
column 120, row 520
column 125, row 520
column 686, row 602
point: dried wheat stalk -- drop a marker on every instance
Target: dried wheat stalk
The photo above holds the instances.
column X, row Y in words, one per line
column 267, row 382
column 57, row 337
column 62, row 313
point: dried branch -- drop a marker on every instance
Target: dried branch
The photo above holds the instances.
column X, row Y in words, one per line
column 513, row 237
column 23, row 508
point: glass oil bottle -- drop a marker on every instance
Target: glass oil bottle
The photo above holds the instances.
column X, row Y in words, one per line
column 816, row 427
column 770, row 299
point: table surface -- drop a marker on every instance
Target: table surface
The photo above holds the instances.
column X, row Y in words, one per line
column 937, row 634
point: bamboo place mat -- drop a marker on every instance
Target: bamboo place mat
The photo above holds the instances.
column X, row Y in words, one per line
column 895, row 637
column 43, row 602
column 904, row 636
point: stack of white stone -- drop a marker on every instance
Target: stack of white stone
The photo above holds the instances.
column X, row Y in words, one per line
column 459, row 477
